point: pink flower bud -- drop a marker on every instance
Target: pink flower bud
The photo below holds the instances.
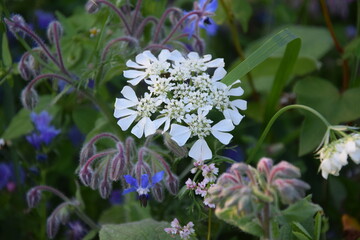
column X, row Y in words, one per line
column 265, row 165
column 284, row 170
column 179, row 152
column 290, row 190
column 172, row 184
column 14, row 23
column 117, row 164
column 33, row 197
column 87, row 151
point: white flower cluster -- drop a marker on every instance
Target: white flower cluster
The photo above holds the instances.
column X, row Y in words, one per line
column 180, row 94
column 184, row 232
column 209, row 172
column 333, row 156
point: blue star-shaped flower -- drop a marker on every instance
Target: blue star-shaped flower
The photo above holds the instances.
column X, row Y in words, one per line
column 144, row 188
column 202, row 19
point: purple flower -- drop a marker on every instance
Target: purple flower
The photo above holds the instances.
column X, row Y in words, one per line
column 44, row 133
column 76, row 231
column 143, row 186
column 76, row 137
column 5, row 174
column 43, row 18
column 116, row 197
column 205, row 9
column 235, row 153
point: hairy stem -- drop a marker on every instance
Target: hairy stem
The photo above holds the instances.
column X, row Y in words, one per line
column 209, row 225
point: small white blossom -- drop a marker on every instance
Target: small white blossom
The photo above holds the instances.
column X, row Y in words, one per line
column 353, row 147
column 207, row 203
column 184, row 232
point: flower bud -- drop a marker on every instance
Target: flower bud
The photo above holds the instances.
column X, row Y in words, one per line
column 33, row 197
column 87, row 151
column 29, row 98
column 241, row 168
column 105, row 188
column 54, row 31
column 179, row 152
column 290, row 190
column 14, row 23
column 157, row 192
column 172, row 184
column 265, row 165
column 245, row 205
column 117, row 165
column 86, row 175
column 24, row 68
column 284, row 170
column 92, row 6
column 96, row 178
column 52, row 226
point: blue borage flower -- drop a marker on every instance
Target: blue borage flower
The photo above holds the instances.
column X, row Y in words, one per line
column 143, row 186
column 44, row 132
column 206, row 8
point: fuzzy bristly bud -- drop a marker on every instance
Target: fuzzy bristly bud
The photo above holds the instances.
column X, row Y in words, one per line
column 29, row 98
column 172, row 184
column 14, row 23
column 157, row 192
column 290, row 190
column 54, row 30
column 92, row 6
column 264, row 166
column 52, row 226
column 87, row 151
column 33, row 197
column 179, row 152
column 117, row 164
column 96, row 178
column 86, row 175
column 105, row 188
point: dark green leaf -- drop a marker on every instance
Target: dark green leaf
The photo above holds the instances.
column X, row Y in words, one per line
column 300, row 232
column 301, row 210
column 147, row 229
column 82, row 120
column 317, row 228
column 6, row 55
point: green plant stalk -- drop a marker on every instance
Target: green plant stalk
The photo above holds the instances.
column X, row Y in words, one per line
column 275, row 117
column 345, row 64
column 236, row 41
column 209, row 225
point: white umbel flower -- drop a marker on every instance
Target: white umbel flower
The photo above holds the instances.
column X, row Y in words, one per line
column 147, row 64
column 143, row 109
column 200, row 126
column 353, row 147
column 333, row 157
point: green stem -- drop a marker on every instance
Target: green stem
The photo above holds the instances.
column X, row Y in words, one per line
column 86, row 219
column 209, row 225
column 238, row 48
column 273, row 119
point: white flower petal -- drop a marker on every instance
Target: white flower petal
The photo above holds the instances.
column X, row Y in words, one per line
column 355, row 156
column 130, row 94
column 125, row 122
column 164, row 55
column 180, row 134
column 150, row 127
column 136, row 81
column 176, row 56
column 142, row 59
column 133, row 64
column 218, row 74
column 223, row 126
column 167, row 125
column 138, row 129
column 118, row 113
column 218, row 62
column 150, row 56
column 236, row 91
column 133, row 73
column 200, row 151
column 233, row 115
column 224, row 138
column 240, row 103
column 193, row 55
column 158, row 122
column 122, row 103
column 206, row 57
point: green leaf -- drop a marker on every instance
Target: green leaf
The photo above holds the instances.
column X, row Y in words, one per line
column 282, row 75
column 155, row 8
column 248, row 224
column 129, row 212
column 301, row 210
column 147, row 229
column 300, row 232
column 90, row 235
column 81, row 116
column 324, row 97
column 317, row 228
column 6, row 55
column 272, row 45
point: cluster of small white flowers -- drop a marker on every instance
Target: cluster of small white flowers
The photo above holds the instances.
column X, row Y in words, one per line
column 209, row 173
column 184, row 232
column 180, row 94
column 333, row 156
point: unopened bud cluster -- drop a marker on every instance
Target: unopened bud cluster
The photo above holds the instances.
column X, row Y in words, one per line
column 247, row 189
column 209, row 173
